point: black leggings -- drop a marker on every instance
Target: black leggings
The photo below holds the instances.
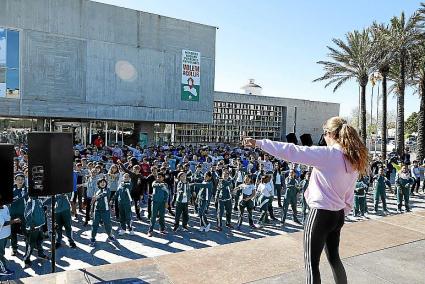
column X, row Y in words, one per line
column 322, row 230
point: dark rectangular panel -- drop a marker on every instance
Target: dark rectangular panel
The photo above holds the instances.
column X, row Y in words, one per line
column 7, row 152
column 50, row 158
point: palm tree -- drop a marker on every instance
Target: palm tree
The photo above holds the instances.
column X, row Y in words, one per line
column 403, row 36
column 419, row 77
column 351, row 59
column 383, row 59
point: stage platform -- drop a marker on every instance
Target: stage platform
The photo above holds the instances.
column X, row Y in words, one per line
column 385, row 250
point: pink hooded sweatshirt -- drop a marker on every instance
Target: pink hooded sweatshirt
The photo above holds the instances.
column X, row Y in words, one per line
column 332, row 180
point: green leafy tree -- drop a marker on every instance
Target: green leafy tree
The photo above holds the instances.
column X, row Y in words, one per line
column 351, row 59
column 412, row 123
column 403, row 36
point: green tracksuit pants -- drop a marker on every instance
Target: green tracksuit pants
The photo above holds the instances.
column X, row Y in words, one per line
column 403, row 194
column 224, row 205
column 105, row 217
column 181, row 209
column 63, row 220
column 158, row 208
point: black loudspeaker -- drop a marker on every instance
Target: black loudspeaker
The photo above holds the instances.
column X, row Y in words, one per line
column 292, row 138
column 50, row 159
column 306, row 140
column 7, row 153
column 322, row 141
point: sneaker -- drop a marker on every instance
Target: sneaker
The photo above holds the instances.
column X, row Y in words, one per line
column 408, row 210
column 92, row 243
column 111, row 238
column 149, row 234
column 121, row 232
column 73, row 245
column 230, row 226
column 171, row 213
column 175, row 229
column 297, row 221
column 185, row 228
column 253, row 226
column 219, row 229
column 86, row 224
column 207, row 228
column 201, row 229
column 6, row 272
column 399, row 211
column 163, row 232
column 57, row 245
column 131, row 233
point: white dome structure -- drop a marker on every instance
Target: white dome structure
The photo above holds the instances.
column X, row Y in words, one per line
column 252, row 89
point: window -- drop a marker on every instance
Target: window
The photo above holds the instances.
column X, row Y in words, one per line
column 9, row 63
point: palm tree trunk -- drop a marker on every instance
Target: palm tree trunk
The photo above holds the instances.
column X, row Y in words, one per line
column 400, row 108
column 384, row 73
column 420, row 151
column 363, row 113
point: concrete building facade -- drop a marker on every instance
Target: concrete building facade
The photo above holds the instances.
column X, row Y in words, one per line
column 236, row 115
column 87, row 60
column 88, row 67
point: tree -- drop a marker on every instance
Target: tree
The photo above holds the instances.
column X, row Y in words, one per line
column 383, row 58
column 352, row 59
column 419, row 75
column 411, row 124
column 403, row 35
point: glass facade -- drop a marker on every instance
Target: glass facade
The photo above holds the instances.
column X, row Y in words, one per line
column 231, row 121
column 9, row 63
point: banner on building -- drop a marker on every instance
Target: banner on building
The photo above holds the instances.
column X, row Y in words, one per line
column 191, row 75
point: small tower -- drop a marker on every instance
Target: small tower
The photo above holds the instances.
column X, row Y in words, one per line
column 252, row 89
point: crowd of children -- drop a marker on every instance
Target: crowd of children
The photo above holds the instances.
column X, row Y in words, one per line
column 174, row 180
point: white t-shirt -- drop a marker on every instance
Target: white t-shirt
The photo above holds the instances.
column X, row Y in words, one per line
column 266, row 189
column 4, row 217
column 247, row 189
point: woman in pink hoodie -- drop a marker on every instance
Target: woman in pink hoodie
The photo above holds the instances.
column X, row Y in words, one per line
column 330, row 193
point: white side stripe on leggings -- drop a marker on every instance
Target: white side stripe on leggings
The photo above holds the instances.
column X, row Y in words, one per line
column 307, row 245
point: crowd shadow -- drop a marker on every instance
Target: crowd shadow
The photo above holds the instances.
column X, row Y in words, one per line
column 125, row 248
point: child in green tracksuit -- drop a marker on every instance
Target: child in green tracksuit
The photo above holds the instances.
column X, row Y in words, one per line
column 159, row 202
column 183, row 195
column 63, row 219
column 303, row 188
column 380, row 182
column 5, row 230
column 403, row 182
column 224, row 197
column 202, row 200
column 292, row 187
column 100, row 205
column 34, row 221
column 359, row 198
column 16, row 209
column 123, row 199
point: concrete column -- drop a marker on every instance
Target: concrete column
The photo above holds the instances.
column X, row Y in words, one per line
column 40, row 124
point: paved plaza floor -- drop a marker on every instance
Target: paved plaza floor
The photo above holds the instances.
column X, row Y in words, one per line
column 149, row 250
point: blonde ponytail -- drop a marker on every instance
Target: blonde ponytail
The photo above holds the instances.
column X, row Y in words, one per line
column 353, row 147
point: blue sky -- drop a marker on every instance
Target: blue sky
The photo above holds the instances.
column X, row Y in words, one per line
column 278, row 42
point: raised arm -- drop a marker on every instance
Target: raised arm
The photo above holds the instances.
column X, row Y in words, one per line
column 316, row 156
